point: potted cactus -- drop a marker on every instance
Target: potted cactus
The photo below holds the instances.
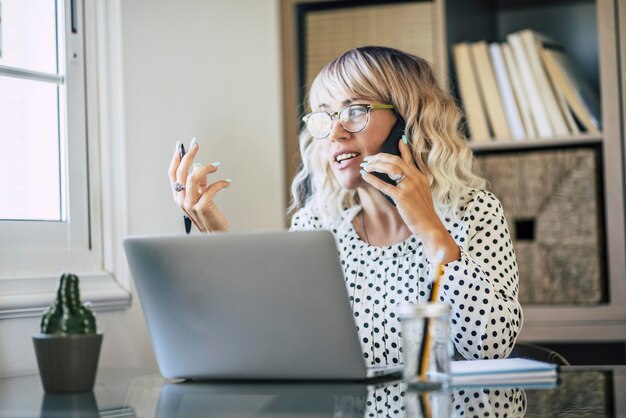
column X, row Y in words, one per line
column 68, row 346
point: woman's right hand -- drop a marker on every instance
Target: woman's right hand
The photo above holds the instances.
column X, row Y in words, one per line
column 196, row 199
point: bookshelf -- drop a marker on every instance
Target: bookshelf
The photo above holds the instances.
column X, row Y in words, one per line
column 573, row 25
column 590, row 30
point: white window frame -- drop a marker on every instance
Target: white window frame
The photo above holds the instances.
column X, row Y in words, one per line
column 28, row 275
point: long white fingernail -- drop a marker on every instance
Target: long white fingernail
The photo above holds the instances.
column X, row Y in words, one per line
column 228, row 180
column 177, row 145
column 216, row 164
column 193, row 142
column 195, row 166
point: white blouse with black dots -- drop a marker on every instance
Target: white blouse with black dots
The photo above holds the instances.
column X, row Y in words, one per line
column 481, row 286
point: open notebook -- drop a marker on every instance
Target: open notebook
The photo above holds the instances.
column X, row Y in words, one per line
column 509, row 372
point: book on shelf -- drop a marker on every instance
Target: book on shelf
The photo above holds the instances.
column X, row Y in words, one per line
column 577, row 93
column 533, row 43
column 508, row 98
column 520, row 93
column 569, row 118
column 489, row 89
column 470, row 95
column 537, row 107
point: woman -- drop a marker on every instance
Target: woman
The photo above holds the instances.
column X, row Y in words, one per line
column 388, row 249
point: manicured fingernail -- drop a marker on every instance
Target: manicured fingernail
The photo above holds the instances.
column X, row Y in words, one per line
column 364, row 164
column 228, row 180
column 216, row 164
column 405, row 139
column 363, row 172
column 177, row 145
column 368, row 158
column 193, row 142
column 196, row 166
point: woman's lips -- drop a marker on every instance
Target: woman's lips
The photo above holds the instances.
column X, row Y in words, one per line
column 347, row 163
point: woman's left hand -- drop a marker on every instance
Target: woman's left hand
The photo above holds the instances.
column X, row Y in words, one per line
column 412, row 197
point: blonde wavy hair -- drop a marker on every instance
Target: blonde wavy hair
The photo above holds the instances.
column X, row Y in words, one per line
column 433, row 126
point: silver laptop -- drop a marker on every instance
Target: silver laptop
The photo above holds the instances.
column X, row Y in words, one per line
column 264, row 305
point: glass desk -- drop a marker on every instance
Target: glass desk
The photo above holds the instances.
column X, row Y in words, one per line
column 581, row 392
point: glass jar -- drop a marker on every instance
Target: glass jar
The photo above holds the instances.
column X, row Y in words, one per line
column 425, row 337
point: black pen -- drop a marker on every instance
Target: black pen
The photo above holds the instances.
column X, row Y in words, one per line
column 186, row 218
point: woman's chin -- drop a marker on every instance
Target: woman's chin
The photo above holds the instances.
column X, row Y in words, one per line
column 349, row 177
column 350, row 182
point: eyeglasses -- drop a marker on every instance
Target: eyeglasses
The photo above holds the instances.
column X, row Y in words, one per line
column 354, row 118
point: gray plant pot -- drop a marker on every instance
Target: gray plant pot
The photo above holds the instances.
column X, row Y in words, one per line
column 67, row 363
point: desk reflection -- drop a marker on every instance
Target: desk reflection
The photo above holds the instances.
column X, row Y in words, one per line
column 143, row 393
column 82, row 405
column 399, row 401
column 193, row 399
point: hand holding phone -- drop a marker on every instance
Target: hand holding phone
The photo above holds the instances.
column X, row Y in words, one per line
column 390, row 146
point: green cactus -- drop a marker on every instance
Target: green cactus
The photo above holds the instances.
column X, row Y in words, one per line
column 66, row 315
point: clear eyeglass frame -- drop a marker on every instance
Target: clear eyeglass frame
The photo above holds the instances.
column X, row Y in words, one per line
column 320, row 124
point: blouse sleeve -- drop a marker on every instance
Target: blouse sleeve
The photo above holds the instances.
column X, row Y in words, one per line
column 482, row 285
column 305, row 219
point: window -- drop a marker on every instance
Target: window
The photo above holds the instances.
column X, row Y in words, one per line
column 43, row 198
column 33, row 90
column 49, row 210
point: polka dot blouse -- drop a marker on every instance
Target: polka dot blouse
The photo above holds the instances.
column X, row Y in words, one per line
column 481, row 286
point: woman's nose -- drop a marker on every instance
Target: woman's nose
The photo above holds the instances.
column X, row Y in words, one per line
column 337, row 131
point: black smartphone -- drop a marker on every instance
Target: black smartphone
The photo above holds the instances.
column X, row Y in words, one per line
column 390, row 146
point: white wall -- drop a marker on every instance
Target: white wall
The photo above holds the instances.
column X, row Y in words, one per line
column 208, row 69
column 204, row 68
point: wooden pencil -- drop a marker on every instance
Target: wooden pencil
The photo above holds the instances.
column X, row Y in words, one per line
column 426, row 339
